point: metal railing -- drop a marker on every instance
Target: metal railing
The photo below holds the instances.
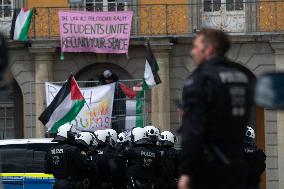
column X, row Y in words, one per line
column 172, row 19
column 120, row 117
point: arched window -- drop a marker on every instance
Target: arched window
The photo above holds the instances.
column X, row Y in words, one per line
column 11, row 112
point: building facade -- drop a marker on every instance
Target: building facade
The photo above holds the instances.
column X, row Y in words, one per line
column 256, row 29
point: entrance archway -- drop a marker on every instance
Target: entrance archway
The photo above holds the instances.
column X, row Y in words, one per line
column 11, row 112
column 92, row 72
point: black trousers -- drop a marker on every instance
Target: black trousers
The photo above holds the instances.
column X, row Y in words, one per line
column 62, row 184
column 220, row 176
column 67, row 184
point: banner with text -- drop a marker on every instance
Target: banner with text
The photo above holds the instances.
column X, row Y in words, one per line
column 100, row 32
column 100, row 101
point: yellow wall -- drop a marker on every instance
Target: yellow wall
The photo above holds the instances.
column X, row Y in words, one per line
column 47, row 3
column 164, row 17
column 46, row 19
column 271, row 16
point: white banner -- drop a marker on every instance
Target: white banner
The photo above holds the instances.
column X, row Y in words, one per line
column 100, row 101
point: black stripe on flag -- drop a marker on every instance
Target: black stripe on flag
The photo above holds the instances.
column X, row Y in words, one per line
column 15, row 15
column 61, row 95
column 153, row 63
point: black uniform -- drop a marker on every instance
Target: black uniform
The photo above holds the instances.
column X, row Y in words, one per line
column 170, row 162
column 95, row 174
column 160, row 182
column 121, row 161
column 216, row 107
column 66, row 163
column 104, row 156
column 256, row 160
column 143, row 165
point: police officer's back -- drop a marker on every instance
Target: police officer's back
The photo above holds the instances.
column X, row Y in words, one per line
column 84, row 141
column 153, row 134
column 167, row 141
column 255, row 158
column 123, row 142
column 216, row 106
column 97, row 155
column 65, row 160
column 143, row 161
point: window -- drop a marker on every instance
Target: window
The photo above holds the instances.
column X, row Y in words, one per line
column 234, row 5
column 36, row 156
column 212, row 5
column 13, row 158
column 229, row 5
column 11, row 122
column 7, row 117
column 6, row 9
column 106, row 5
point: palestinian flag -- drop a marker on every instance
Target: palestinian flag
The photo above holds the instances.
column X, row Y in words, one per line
column 134, row 105
column 151, row 77
column 65, row 107
column 21, row 24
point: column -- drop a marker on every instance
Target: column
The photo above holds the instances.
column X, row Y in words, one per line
column 279, row 66
column 43, row 60
column 161, row 94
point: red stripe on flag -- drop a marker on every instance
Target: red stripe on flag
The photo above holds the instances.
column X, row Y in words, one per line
column 25, row 9
column 75, row 91
column 129, row 92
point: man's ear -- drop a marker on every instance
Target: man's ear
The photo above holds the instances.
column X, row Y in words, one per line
column 211, row 50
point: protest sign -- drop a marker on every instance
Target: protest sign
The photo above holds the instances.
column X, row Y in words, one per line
column 100, row 101
column 100, row 32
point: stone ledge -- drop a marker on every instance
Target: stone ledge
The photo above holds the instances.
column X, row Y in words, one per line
column 161, row 40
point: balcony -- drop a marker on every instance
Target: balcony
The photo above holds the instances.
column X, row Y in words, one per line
column 171, row 20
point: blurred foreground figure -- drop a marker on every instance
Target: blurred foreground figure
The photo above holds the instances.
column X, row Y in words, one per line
column 255, row 158
column 3, row 62
column 215, row 110
column 66, row 161
column 3, row 56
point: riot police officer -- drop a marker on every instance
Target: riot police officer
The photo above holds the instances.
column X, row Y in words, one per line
column 84, row 141
column 255, row 158
column 123, row 142
column 153, row 134
column 65, row 161
column 215, row 108
column 96, row 154
column 111, row 158
column 143, row 161
column 103, row 155
column 167, row 142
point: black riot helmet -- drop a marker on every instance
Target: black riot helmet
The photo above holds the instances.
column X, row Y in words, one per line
column 3, row 56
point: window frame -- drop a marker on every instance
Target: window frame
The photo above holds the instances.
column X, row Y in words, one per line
column 10, row 147
column 2, row 10
column 5, row 106
column 223, row 4
column 106, row 5
column 34, row 163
